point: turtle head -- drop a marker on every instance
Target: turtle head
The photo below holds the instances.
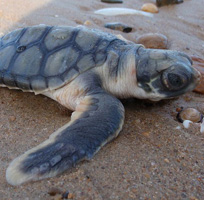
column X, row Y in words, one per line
column 163, row 74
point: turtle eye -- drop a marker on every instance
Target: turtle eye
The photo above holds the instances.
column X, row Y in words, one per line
column 174, row 81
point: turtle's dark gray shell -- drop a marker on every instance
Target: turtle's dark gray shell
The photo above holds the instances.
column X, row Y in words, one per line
column 42, row 58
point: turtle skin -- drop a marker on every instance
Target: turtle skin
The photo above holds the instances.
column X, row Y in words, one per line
column 85, row 70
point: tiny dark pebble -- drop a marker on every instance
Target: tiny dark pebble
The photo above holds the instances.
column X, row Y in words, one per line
column 183, row 195
column 167, row 2
column 112, row 1
column 65, row 195
column 53, row 191
column 119, row 26
column 187, row 48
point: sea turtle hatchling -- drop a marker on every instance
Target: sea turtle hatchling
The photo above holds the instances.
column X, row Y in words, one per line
column 86, row 71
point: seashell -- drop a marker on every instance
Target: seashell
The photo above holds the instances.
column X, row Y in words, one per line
column 153, row 41
column 119, row 26
column 122, row 11
column 190, row 114
column 167, row 2
column 150, row 7
column 112, row 1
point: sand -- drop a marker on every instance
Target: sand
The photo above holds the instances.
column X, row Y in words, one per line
column 152, row 158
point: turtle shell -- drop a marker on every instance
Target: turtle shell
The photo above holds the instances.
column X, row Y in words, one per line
column 42, row 58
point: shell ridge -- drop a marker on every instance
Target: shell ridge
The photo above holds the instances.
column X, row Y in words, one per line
column 14, row 41
column 75, row 57
column 13, row 59
column 58, row 48
column 16, row 44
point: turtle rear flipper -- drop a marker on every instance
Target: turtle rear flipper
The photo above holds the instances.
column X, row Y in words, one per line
column 97, row 119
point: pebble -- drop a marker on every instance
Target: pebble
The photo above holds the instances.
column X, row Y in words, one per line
column 78, row 21
column 167, row 2
column 198, row 63
column 153, row 41
column 53, row 191
column 87, row 23
column 65, row 195
column 166, row 160
column 12, row 118
column 150, row 7
column 119, row 26
column 146, row 134
column 70, row 196
column 189, row 114
column 112, row 1
column 192, row 116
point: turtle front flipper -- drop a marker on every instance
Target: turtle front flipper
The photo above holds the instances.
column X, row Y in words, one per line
column 98, row 119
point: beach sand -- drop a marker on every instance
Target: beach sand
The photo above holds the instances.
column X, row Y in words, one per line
column 152, row 158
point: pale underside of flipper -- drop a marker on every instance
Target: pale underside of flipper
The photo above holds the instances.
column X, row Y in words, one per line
column 97, row 120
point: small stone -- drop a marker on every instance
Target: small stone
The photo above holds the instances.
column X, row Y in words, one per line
column 112, row 1
column 87, row 23
column 146, row 134
column 153, row 41
column 12, row 118
column 166, row 160
column 119, row 26
column 78, row 22
column 70, row 196
column 179, row 109
column 167, row 2
column 53, row 191
column 65, row 195
column 147, row 176
column 150, row 7
column 189, row 114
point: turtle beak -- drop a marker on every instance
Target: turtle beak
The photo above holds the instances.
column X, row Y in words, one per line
column 195, row 79
column 196, row 75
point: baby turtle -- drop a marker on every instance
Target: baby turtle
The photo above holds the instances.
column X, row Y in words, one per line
column 86, row 71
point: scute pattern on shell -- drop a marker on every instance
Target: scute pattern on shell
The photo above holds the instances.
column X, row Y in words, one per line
column 51, row 56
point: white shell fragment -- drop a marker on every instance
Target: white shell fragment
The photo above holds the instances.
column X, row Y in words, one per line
column 122, row 11
column 202, row 127
column 186, row 123
column 178, row 128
